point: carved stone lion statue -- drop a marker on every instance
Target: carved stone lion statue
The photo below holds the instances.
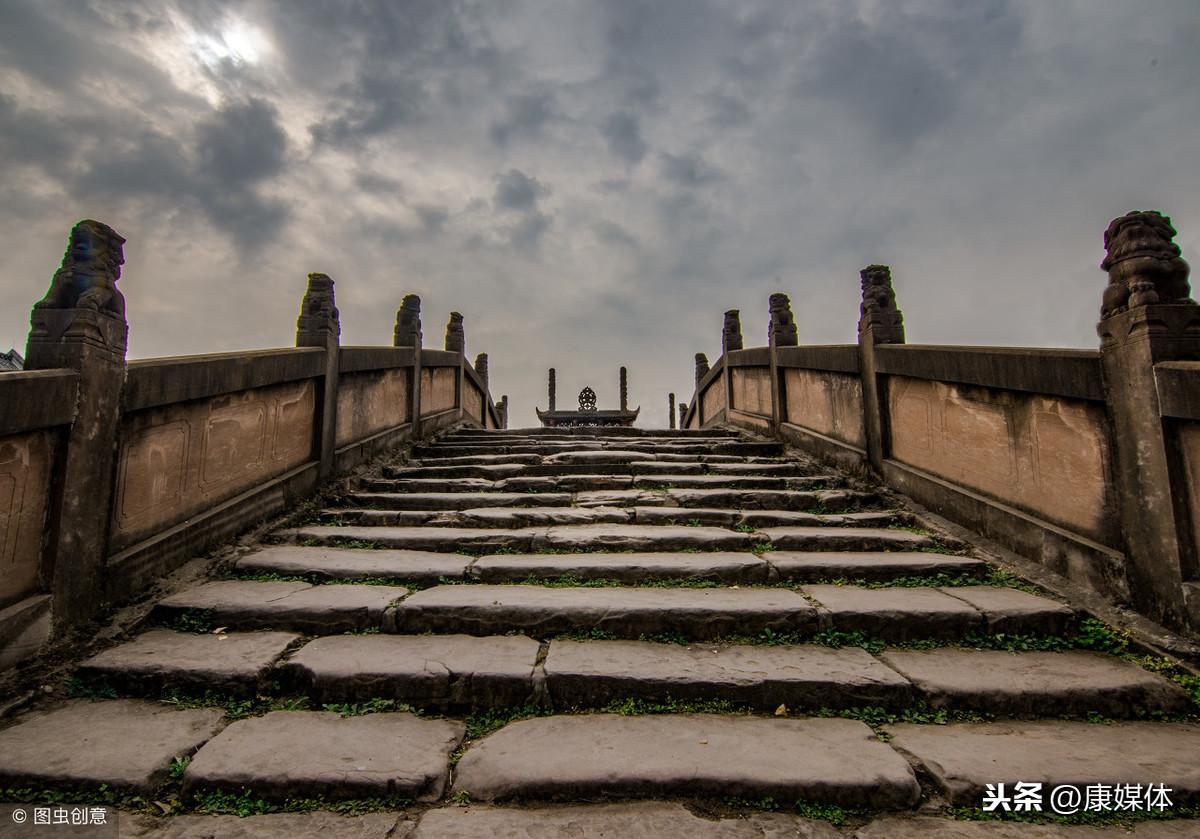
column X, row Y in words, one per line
column 91, row 266
column 877, row 292
column 1144, row 265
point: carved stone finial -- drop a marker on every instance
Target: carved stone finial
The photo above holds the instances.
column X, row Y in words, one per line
column 671, row 409
column 85, row 282
column 481, row 367
column 319, row 323
column 551, row 377
column 502, row 410
column 624, row 376
column 731, row 333
column 1144, row 264
column 683, row 408
column 701, row 366
column 408, row 322
column 879, row 313
column 456, row 338
column 587, row 399
column 781, row 329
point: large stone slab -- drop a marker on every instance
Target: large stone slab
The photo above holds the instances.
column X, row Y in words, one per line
column 831, row 761
column 458, row 500
column 633, row 820
column 931, row 827
column 626, row 612
column 601, row 456
column 449, row 539
column 793, row 518
column 315, row 610
column 299, row 754
column 126, row 744
column 491, row 471
column 576, row 482
column 594, row 673
column 769, row 499
column 517, row 517
column 963, row 758
column 318, row 824
column 895, row 614
column 1035, row 683
column 423, row 568
column 689, row 516
column 233, row 662
column 870, row 567
column 626, row 567
column 620, row 498
column 845, row 539
column 481, row 459
column 1013, row 611
column 423, row 670
column 636, row 537
column 711, row 481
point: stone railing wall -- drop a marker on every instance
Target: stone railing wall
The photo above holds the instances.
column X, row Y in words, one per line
column 1085, row 461
column 113, row 473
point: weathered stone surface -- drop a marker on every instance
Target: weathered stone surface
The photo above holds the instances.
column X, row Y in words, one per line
column 1035, row 683
column 517, row 517
column 233, row 662
column 493, row 471
column 318, row 610
column 482, row 460
column 626, row 567
column 126, row 744
column 895, row 614
column 845, row 539
column 871, row 567
column 767, row 499
column 619, row 498
column 709, row 481
column 963, row 758
column 566, row 483
column 449, row 539
column 788, row 518
column 819, row 760
column 929, row 827
column 297, row 754
column 377, row 518
column 593, row 673
column 458, row 500
column 633, row 537
column 603, row 456
column 425, row 670
column 685, row 516
column 315, row 825
column 627, row 612
column 420, row 567
column 1014, row 611
column 634, row 820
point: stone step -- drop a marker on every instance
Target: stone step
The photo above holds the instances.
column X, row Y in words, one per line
column 630, row 568
column 428, row 671
column 845, row 539
column 599, row 431
column 1035, row 684
column 624, row 612
column 611, row 537
column 422, row 568
column 758, row 499
column 125, row 745
column 907, row 614
column 235, row 663
column 547, row 448
column 636, row 457
column 871, row 567
column 307, row 754
column 749, row 499
column 825, row 761
column 300, row 607
column 509, row 517
column 499, row 471
column 963, row 758
column 582, row 483
column 457, row 500
column 591, row 674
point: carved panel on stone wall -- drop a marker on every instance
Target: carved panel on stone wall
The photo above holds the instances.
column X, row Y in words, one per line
column 153, row 471
column 825, row 402
column 752, row 390
column 25, row 461
column 233, row 443
column 438, row 385
column 371, row 402
column 712, row 401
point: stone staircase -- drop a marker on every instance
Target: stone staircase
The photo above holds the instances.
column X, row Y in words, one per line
column 540, row 620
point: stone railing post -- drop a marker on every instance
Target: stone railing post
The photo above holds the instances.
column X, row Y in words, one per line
column 671, row 410
column 481, row 367
column 319, row 326
column 408, row 334
column 731, row 339
column 551, row 388
column 683, row 409
column 781, row 332
column 502, row 410
column 80, row 325
column 879, row 322
column 623, row 388
column 456, row 341
column 1147, row 317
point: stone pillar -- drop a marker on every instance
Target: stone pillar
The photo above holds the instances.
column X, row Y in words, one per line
column 683, row 409
column 80, row 325
column 319, row 326
column 701, row 367
column 1148, row 317
column 481, row 367
column 408, row 334
column 624, row 389
column 551, row 408
column 781, row 332
column 456, row 337
column 502, row 410
column 731, row 332
column 671, row 410
column 879, row 322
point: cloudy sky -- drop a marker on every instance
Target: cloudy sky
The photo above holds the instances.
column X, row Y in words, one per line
column 593, row 183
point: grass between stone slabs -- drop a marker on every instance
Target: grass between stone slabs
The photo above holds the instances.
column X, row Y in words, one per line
column 316, row 579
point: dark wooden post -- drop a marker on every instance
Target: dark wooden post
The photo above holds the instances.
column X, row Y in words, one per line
column 1147, row 317
column 80, row 325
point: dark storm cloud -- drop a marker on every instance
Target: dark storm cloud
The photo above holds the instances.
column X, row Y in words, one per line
column 688, row 170
column 517, row 191
column 524, row 117
column 242, row 142
column 623, row 132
